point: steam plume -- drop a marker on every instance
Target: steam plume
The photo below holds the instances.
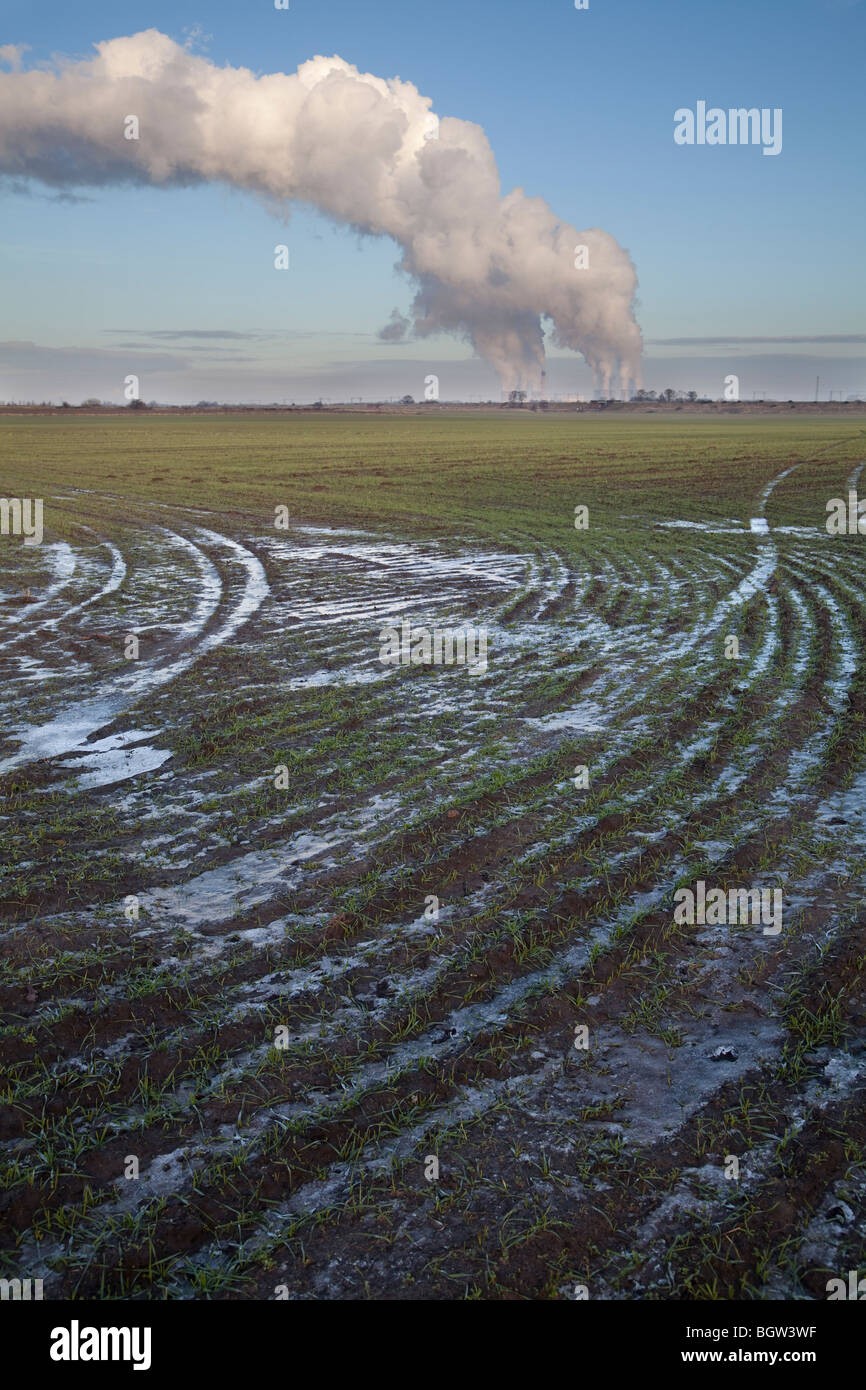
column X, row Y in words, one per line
column 488, row 268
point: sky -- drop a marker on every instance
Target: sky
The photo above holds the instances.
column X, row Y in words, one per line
column 746, row 264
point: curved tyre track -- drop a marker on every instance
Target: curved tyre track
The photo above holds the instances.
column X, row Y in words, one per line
column 406, row 1034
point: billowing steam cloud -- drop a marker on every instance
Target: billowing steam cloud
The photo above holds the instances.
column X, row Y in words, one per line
column 366, row 152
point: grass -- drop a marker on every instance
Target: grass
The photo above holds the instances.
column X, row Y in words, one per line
column 452, row 1036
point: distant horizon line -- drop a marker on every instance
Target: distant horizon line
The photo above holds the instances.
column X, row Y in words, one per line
column 679, row 399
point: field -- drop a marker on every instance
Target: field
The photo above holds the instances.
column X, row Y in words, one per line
column 323, row 978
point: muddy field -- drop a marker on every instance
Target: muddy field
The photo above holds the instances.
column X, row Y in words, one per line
column 322, row 978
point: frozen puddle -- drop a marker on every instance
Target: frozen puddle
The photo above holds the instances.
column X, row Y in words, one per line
column 217, row 895
column 113, row 760
column 715, row 528
column 586, row 718
column 110, row 759
column 63, row 735
column 63, row 562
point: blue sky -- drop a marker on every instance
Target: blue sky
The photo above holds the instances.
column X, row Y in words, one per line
column 578, row 106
